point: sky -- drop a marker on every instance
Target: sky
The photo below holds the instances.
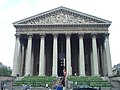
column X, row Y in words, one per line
column 14, row 10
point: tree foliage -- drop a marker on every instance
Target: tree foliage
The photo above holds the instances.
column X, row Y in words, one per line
column 5, row 71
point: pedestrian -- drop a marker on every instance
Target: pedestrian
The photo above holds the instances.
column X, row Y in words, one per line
column 99, row 88
column 23, row 87
column 1, row 86
column 4, row 86
column 28, row 87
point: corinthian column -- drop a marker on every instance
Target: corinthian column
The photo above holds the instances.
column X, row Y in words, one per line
column 22, row 58
column 32, row 63
column 42, row 56
column 81, row 56
column 55, row 56
column 17, row 62
column 28, row 56
column 68, row 55
column 108, row 55
column 95, row 57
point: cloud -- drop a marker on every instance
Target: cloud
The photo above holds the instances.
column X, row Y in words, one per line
column 3, row 3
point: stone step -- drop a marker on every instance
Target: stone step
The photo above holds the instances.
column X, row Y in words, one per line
column 115, row 81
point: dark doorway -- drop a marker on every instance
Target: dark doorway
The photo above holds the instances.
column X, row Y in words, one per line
column 61, row 65
column 61, row 54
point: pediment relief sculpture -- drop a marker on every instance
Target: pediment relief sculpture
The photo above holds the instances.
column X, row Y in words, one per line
column 60, row 18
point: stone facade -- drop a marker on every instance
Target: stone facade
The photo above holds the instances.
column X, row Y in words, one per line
column 62, row 38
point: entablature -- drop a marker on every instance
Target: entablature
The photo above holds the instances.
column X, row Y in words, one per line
column 62, row 28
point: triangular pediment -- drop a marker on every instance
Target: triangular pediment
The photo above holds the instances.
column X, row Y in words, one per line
column 61, row 15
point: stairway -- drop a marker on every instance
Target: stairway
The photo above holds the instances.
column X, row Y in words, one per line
column 8, row 81
column 115, row 81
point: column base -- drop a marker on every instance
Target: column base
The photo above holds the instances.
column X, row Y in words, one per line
column 13, row 74
column 27, row 75
column 69, row 74
column 82, row 75
column 16, row 74
column 41, row 75
column 109, row 75
column 54, row 75
column 96, row 75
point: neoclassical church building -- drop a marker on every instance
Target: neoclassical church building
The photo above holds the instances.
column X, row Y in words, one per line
column 60, row 40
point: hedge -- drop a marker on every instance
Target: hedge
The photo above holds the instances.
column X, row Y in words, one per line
column 36, row 81
column 92, row 81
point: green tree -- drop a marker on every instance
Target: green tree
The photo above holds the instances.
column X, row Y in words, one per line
column 5, row 71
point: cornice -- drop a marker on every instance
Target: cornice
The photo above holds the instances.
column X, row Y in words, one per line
column 62, row 25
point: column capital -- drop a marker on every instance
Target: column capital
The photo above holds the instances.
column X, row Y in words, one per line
column 80, row 34
column 17, row 35
column 55, row 34
column 30, row 35
column 93, row 34
column 42, row 34
column 106, row 35
column 67, row 34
